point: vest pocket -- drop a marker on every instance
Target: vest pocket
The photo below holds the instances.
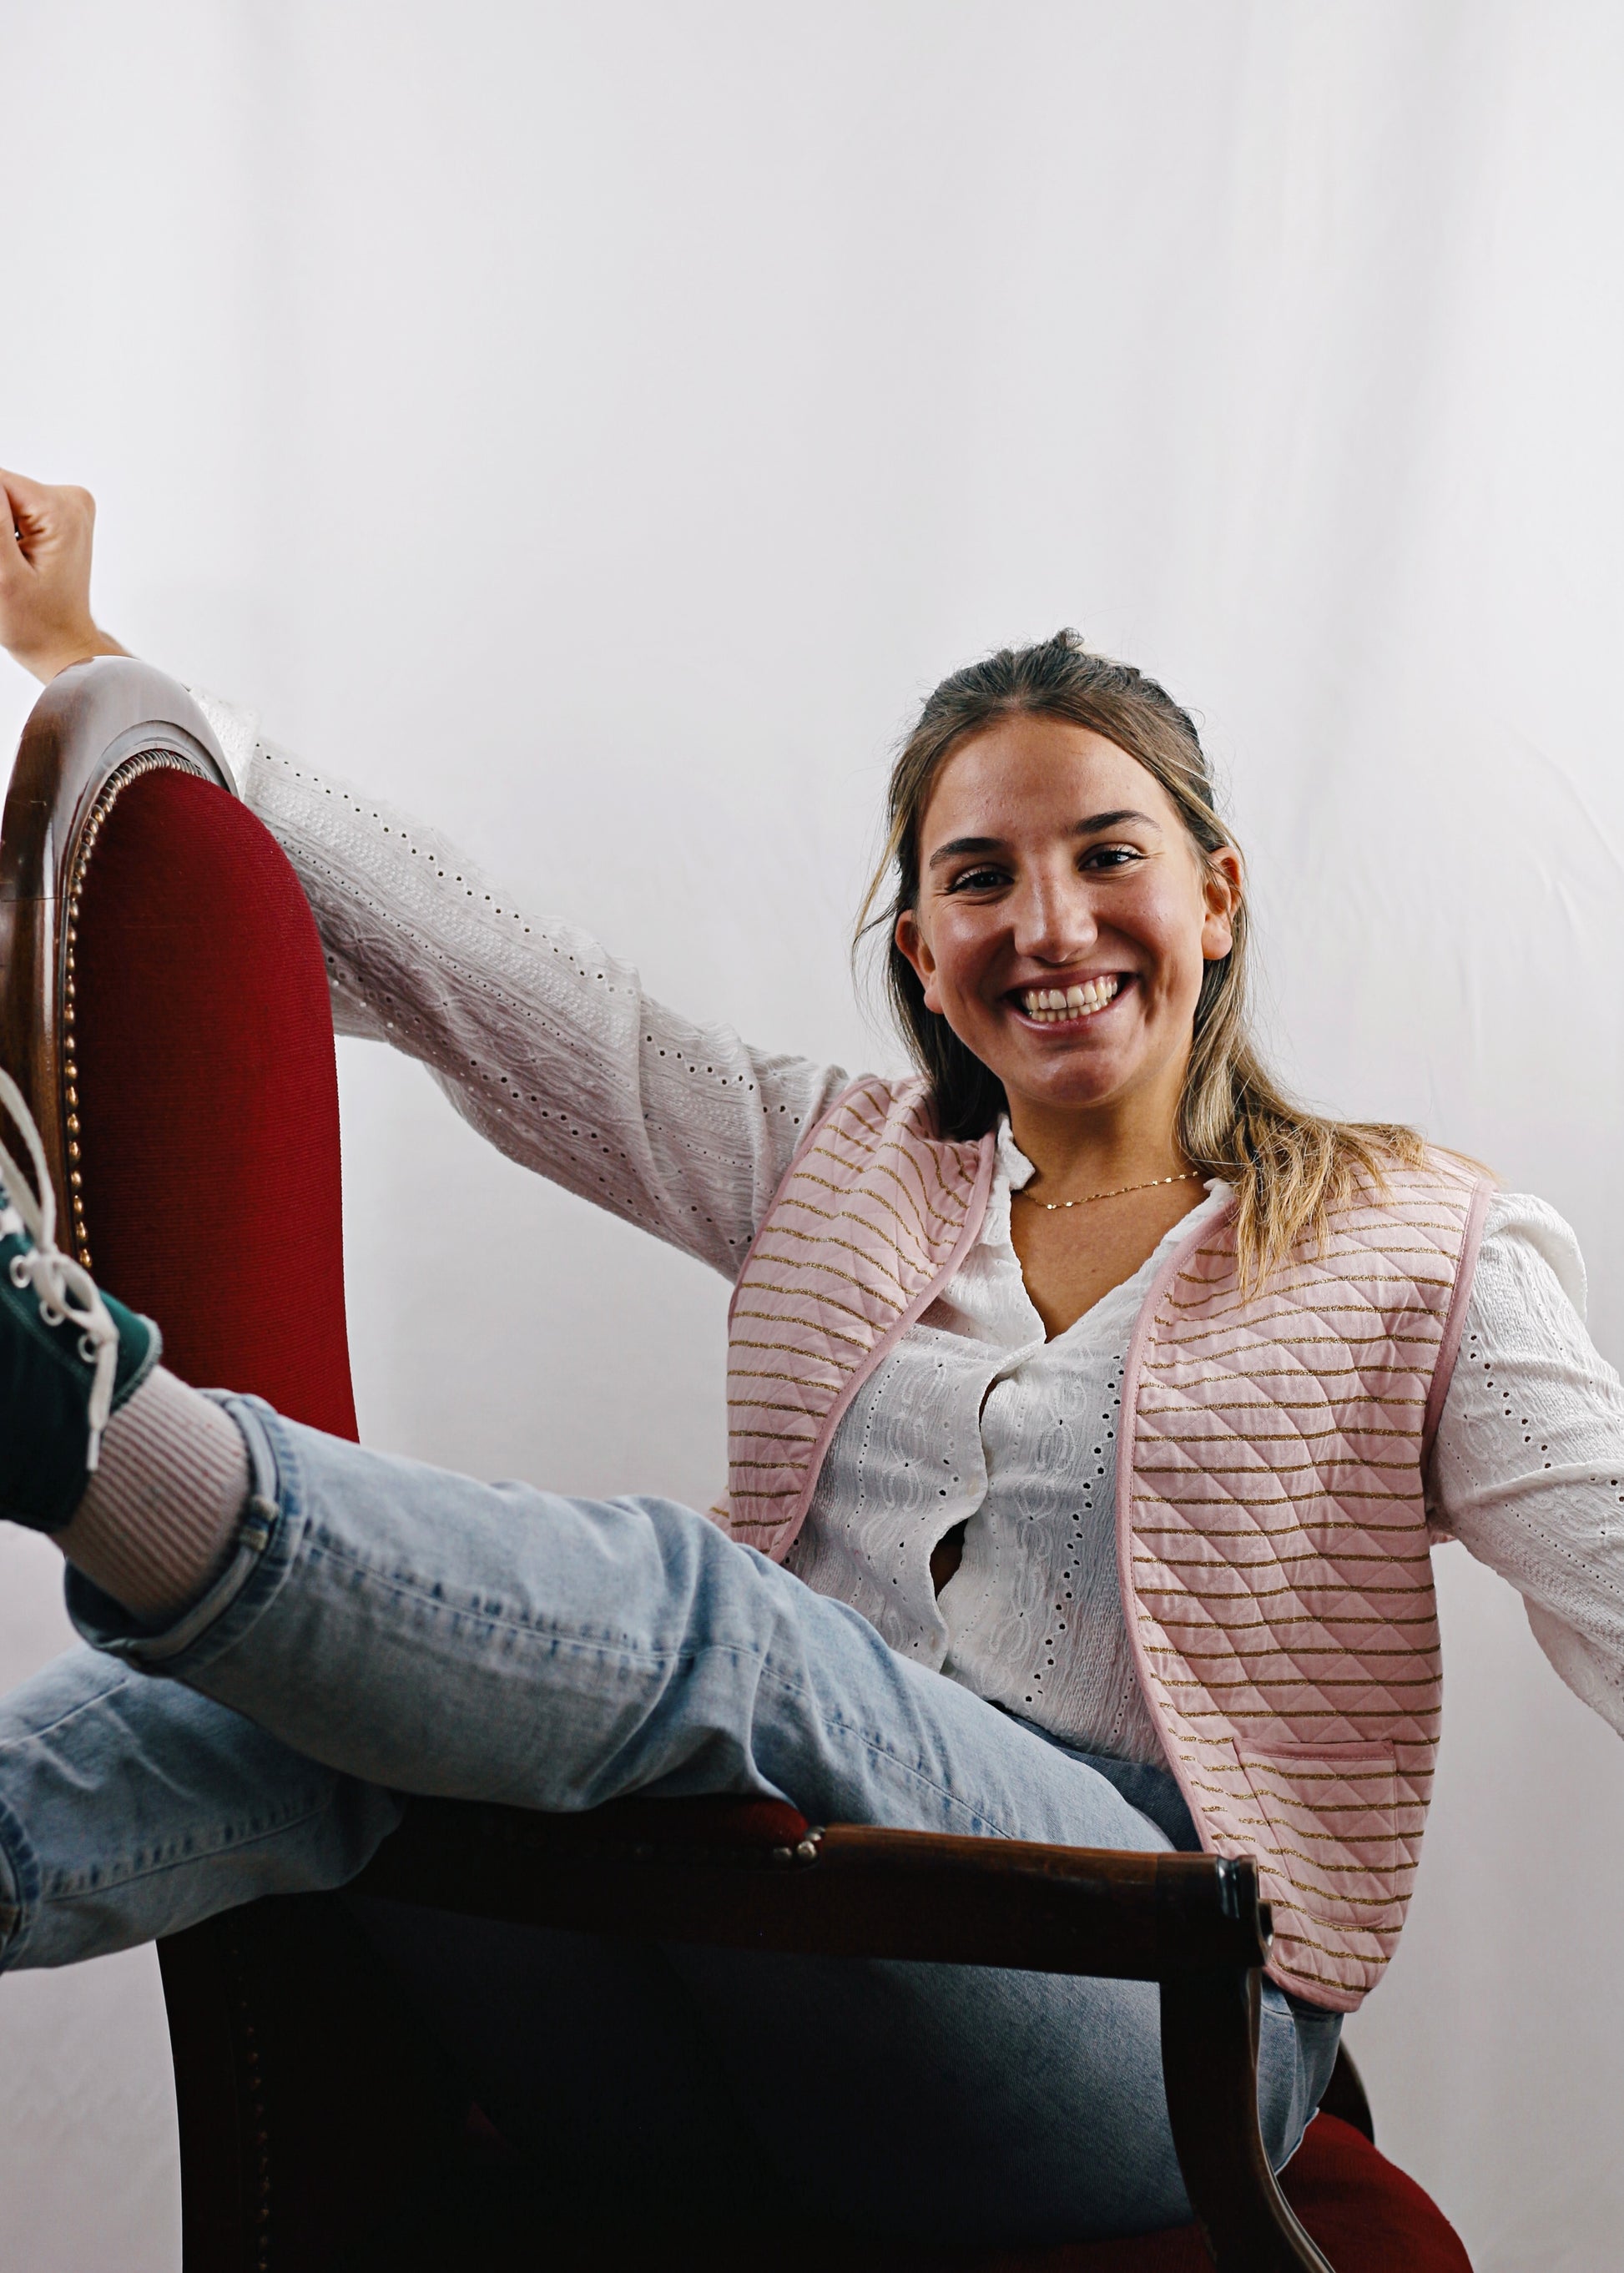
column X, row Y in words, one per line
column 1331, row 1814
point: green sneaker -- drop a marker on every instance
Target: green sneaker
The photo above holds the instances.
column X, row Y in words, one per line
column 69, row 1356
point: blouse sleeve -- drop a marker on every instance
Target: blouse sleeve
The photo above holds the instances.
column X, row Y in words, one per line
column 544, row 1043
column 1527, row 1465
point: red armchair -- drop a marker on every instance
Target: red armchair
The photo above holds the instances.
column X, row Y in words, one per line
column 163, row 1003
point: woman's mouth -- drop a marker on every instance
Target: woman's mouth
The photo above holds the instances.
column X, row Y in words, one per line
column 1059, row 1006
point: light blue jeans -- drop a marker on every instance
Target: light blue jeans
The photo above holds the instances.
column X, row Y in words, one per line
column 386, row 1628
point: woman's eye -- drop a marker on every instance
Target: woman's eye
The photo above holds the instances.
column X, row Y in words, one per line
column 1110, row 856
column 978, row 880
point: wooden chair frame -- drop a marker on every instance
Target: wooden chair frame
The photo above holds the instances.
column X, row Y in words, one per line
column 1193, row 1923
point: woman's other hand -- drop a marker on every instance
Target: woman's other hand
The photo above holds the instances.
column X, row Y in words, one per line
column 45, row 540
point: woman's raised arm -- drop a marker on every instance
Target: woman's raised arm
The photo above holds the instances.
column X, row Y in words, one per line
column 547, row 1045
column 544, row 1043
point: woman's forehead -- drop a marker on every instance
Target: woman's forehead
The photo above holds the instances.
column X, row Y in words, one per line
column 1025, row 773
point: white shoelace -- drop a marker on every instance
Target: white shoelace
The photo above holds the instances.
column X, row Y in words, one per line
column 64, row 1288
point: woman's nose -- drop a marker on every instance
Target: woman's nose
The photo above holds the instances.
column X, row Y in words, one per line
column 1054, row 920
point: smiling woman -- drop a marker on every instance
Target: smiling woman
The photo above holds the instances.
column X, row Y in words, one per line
column 1092, row 1409
column 1070, row 945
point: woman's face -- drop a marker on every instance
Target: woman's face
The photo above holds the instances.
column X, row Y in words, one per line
column 1065, row 917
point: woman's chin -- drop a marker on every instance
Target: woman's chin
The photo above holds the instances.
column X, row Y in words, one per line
column 1082, row 1073
column 1063, row 1089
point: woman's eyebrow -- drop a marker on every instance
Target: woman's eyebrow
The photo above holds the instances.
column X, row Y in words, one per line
column 1097, row 820
column 959, row 845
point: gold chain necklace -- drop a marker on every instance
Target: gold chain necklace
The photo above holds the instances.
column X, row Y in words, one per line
column 1052, row 1207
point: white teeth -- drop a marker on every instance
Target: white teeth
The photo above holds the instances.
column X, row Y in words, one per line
column 1049, row 1004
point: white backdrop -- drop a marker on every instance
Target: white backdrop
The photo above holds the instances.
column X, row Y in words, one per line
column 596, row 424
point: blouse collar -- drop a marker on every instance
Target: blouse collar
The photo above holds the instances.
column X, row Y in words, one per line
column 1015, row 1169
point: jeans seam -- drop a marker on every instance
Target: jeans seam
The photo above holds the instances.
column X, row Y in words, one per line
column 112, row 1877
column 633, row 1656
column 630, row 1654
column 318, row 1542
column 918, row 1774
column 19, row 1867
column 124, row 1676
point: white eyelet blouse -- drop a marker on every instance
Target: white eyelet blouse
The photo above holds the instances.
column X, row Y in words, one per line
column 551, row 1049
column 976, row 1418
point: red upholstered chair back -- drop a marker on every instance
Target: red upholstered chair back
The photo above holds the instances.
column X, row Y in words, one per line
column 163, row 1003
column 208, row 1097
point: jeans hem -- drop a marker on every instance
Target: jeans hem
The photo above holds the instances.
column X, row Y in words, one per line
column 266, row 1544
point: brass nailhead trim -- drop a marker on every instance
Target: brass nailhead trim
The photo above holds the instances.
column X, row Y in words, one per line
column 257, row 2125
column 149, row 762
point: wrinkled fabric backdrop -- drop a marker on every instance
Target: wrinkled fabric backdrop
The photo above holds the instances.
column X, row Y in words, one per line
column 595, row 426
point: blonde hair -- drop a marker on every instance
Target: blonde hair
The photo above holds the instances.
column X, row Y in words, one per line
column 1289, row 1167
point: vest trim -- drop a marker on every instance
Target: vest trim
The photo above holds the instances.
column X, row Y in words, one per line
column 1183, row 1250
column 787, row 1530
column 1454, row 1324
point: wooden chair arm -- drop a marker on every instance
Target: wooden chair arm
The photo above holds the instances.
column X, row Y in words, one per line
column 846, row 1891
column 1192, row 1923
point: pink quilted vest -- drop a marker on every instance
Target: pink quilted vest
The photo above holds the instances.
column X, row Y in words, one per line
column 1272, row 1540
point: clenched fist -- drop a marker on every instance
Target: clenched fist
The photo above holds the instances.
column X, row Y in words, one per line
column 45, row 618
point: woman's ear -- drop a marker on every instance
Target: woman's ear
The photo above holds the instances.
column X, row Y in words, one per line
column 1221, row 887
column 911, row 939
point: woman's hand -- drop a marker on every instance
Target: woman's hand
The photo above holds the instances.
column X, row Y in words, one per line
column 45, row 535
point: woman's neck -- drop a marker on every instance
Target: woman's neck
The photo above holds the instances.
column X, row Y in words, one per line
column 1079, row 1152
